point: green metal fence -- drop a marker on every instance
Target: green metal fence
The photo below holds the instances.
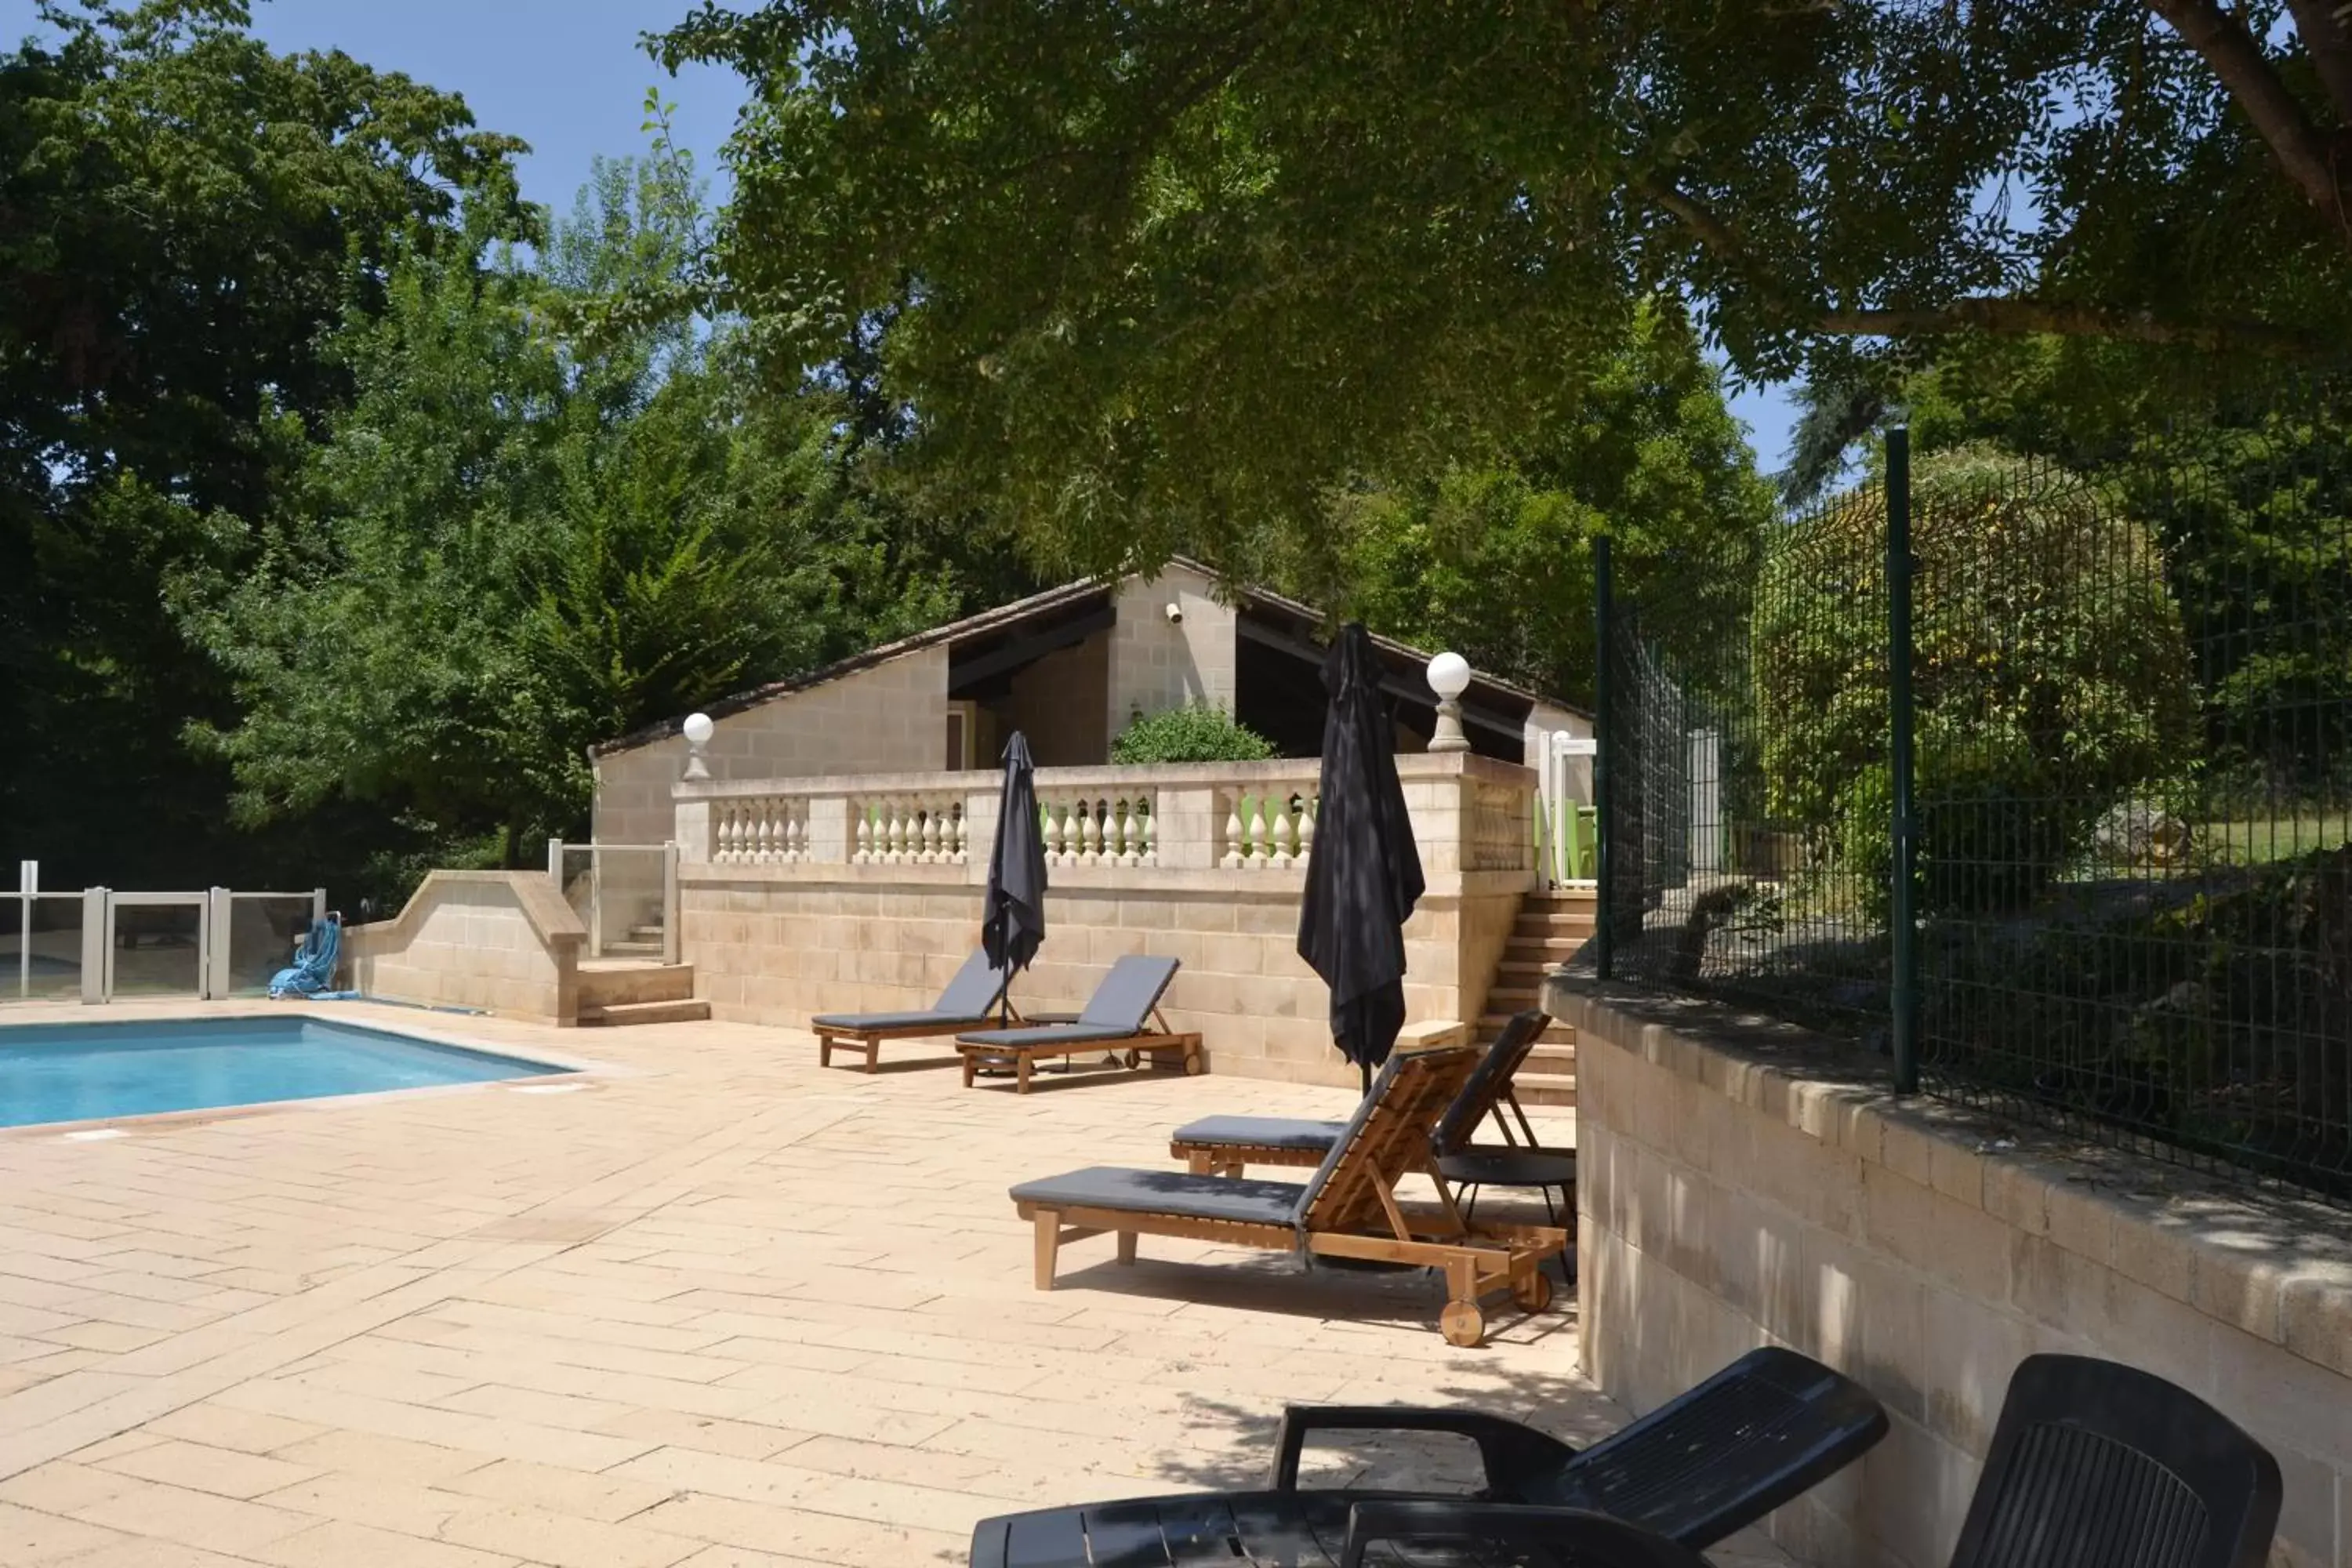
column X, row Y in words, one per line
column 2051, row 802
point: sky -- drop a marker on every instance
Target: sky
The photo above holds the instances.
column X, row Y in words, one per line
column 570, row 77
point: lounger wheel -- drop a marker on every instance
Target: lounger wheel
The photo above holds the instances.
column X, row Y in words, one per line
column 1462, row 1324
column 1133, row 1059
column 1533, row 1293
column 1193, row 1066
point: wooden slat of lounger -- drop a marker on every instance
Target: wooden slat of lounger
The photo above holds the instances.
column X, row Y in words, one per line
column 1209, row 1159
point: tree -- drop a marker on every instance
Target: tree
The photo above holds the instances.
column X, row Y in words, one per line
column 183, row 213
column 2050, row 671
column 534, row 529
column 1161, row 271
column 1495, row 562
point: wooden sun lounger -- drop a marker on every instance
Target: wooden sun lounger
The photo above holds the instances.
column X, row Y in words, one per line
column 1228, row 1145
column 1348, row 1209
column 974, row 998
column 1122, row 1019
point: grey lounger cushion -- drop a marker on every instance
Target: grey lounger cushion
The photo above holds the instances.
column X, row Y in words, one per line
column 1262, row 1132
column 970, row 998
column 1128, row 992
column 943, row 1022
column 1168, row 1191
column 1045, row 1035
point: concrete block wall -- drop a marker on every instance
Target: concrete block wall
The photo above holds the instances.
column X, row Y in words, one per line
column 502, row 942
column 1739, row 1185
column 1156, row 663
column 890, row 717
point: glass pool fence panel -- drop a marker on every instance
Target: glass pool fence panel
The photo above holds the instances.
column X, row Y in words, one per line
column 625, row 894
column 48, row 965
column 260, row 932
column 157, row 945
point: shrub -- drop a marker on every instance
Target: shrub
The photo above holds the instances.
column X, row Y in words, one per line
column 1195, row 733
column 2050, row 676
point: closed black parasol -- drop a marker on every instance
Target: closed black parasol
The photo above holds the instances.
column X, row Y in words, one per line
column 1365, row 875
column 1013, row 918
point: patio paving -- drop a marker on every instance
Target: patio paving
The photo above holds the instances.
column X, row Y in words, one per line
column 714, row 1307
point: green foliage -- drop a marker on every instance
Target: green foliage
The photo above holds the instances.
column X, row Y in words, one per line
column 1195, row 733
column 2249, row 477
column 1496, row 562
column 185, row 212
column 1162, row 276
column 2050, row 676
column 542, row 524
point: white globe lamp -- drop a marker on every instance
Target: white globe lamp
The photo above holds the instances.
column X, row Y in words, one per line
column 1449, row 676
column 696, row 730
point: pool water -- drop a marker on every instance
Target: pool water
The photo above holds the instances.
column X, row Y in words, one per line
column 88, row 1072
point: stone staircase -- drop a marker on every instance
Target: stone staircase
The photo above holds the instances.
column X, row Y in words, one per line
column 623, row 990
column 1550, row 927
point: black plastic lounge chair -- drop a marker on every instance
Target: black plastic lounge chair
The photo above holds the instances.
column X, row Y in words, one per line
column 1231, row 1143
column 1122, row 1015
column 973, row 996
column 1763, row 1430
column 2097, row 1465
column 1348, row 1209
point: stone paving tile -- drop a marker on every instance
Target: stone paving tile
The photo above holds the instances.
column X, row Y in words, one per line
column 722, row 1311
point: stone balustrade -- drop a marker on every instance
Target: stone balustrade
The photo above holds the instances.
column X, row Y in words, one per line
column 1470, row 815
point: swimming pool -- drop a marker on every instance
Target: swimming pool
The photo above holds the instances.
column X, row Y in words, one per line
column 88, row 1072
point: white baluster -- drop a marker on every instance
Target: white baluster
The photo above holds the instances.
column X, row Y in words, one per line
column 1150, row 855
column 1129, row 839
column 722, row 843
column 1091, row 826
column 791, row 848
column 864, row 855
column 930, row 836
column 1280, row 836
column 1234, row 843
column 955, row 835
column 1307, row 826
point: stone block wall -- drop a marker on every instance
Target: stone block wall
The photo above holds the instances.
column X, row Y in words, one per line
column 502, row 942
column 1156, row 663
column 890, row 717
column 774, row 942
column 1741, row 1185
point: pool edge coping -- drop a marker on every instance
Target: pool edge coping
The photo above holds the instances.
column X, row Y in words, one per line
column 565, row 1064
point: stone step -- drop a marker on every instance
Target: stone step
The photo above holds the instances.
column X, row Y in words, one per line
column 1514, row 998
column 685, row 1010
column 652, row 934
column 1521, row 970
column 603, row 983
column 1491, row 1025
column 1552, row 949
column 1555, row 1093
column 1544, row 925
column 1551, row 1060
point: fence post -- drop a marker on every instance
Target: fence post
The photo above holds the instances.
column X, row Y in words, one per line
column 1903, row 915
column 555, row 862
column 97, row 945
column 213, row 939
column 671, row 936
column 1604, row 619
